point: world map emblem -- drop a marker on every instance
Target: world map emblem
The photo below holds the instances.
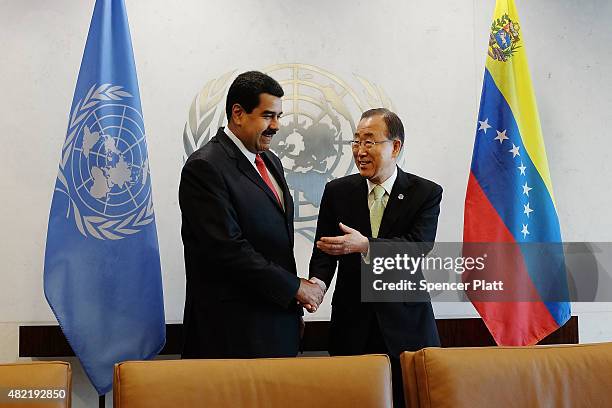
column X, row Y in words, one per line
column 104, row 169
column 320, row 115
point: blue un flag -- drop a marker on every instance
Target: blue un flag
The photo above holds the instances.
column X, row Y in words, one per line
column 102, row 268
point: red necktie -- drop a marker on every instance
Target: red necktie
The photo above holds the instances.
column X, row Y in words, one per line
column 261, row 167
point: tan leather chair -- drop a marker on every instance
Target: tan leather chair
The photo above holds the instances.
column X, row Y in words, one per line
column 38, row 375
column 500, row 377
column 320, row 382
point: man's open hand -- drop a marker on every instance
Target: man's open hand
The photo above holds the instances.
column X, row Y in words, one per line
column 352, row 241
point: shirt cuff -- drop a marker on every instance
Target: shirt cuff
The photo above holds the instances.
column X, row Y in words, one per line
column 319, row 282
column 366, row 256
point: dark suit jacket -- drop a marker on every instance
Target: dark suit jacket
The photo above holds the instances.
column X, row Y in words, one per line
column 240, row 268
column 404, row 326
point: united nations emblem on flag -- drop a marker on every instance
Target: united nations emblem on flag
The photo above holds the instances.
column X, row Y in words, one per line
column 104, row 169
column 504, row 38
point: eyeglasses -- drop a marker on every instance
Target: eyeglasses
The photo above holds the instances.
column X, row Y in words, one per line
column 367, row 144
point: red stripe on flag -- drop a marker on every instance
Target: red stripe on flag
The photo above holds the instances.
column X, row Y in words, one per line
column 510, row 323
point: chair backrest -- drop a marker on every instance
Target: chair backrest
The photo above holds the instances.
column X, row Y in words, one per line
column 359, row 381
column 36, row 384
column 537, row 376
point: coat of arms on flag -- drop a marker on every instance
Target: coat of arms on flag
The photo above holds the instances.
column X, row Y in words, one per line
column 504, row 38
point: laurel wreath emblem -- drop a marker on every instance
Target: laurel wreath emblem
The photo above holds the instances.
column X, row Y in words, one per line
column 204, row 109
column 96, row 226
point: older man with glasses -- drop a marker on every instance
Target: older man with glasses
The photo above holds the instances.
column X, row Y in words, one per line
column 380, row 204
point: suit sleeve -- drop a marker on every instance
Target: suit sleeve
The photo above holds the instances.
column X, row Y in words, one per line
column 322, row 265
column 213, row 222
column 423, row 229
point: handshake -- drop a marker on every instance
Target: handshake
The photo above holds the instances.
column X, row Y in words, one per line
column 310, row 294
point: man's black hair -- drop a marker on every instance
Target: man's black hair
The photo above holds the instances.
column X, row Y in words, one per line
column 393, row 122
column 246, row 88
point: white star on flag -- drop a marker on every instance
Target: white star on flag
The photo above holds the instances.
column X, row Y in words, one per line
column 527, row 210
column 514, row 150
column 526, row 189
column 522, row 168
column 484, row 125
column 501, row 136
column 524, row 231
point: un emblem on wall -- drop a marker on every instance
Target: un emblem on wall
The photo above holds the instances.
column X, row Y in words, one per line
column 104, row 168
column 320, row 115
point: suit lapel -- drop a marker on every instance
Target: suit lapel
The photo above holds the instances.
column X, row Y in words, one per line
column 396, row 205
column 278, row 173
column 361, row 211
column 245, row 167
column 248, row 169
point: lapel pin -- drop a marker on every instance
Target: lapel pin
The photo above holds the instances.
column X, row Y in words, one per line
column 401, row 196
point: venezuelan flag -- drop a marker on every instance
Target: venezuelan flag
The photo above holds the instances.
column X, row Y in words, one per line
column 509, row 197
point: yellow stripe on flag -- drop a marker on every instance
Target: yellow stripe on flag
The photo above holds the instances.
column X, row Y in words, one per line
column 514, row 82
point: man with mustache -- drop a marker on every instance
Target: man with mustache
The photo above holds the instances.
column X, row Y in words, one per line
column 243, row 295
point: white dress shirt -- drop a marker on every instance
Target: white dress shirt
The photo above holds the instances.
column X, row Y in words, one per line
column 387, row 185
